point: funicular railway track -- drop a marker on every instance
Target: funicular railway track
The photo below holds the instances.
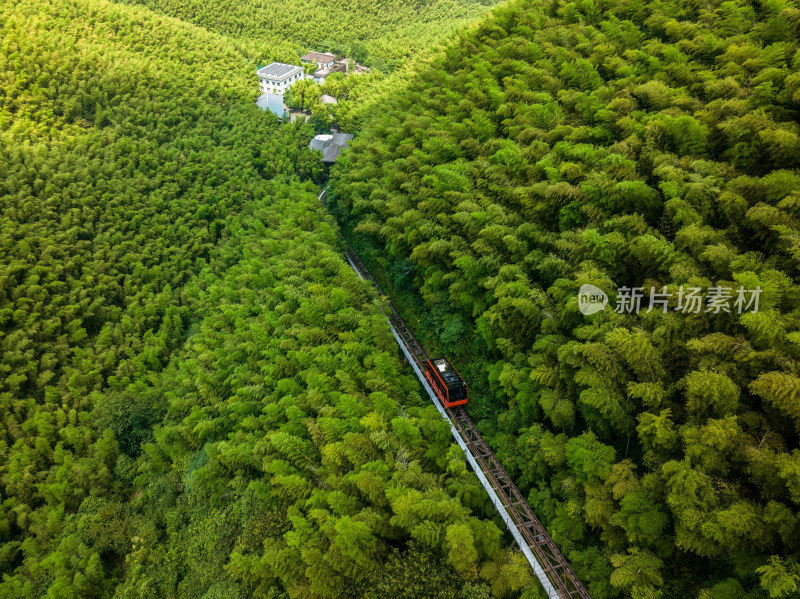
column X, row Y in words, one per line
column 548, row 563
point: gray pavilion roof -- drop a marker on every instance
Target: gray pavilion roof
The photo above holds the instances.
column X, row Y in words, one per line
column 330, row 145
column 278, row 70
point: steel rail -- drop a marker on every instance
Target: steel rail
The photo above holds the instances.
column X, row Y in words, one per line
column 548, row 563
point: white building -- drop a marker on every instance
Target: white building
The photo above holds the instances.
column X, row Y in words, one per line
column 322, row 60
column 338, row 67
column 277, row 77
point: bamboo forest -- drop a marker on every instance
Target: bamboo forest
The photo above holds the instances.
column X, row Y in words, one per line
column 576, row 375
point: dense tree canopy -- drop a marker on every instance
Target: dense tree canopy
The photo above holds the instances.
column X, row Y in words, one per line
column 294, row 454
column 624, row 145
column 381, row 34
column 198, row 398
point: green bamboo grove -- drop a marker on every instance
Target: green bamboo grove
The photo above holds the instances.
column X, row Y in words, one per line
column 198, row 397
column 623, row 145
column 383, row 35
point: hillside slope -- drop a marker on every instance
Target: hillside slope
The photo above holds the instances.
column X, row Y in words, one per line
column 198, row 398
column 628, row 145
column 387, row 31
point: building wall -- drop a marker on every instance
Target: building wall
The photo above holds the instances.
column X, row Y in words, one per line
column 275, row 105
column 280, row 87
column 320, row 64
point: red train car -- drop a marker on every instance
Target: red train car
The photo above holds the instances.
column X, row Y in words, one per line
column 446, row 382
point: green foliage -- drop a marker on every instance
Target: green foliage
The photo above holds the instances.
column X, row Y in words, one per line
column 777, row 579
column 639, row 573
column 312, row 474
column 198, row 396
column 462, row 554
column 373, row 37
column 558, row 144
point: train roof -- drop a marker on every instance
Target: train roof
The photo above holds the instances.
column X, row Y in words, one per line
column 448, row 374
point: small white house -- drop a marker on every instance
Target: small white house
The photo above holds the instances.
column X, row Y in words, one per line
column 322, row 60
column 321, row 75
column 277, row 77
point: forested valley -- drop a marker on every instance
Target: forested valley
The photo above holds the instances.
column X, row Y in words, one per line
column 623, row 144
column 382, row 35
column 390, row 37
column 198, row 397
